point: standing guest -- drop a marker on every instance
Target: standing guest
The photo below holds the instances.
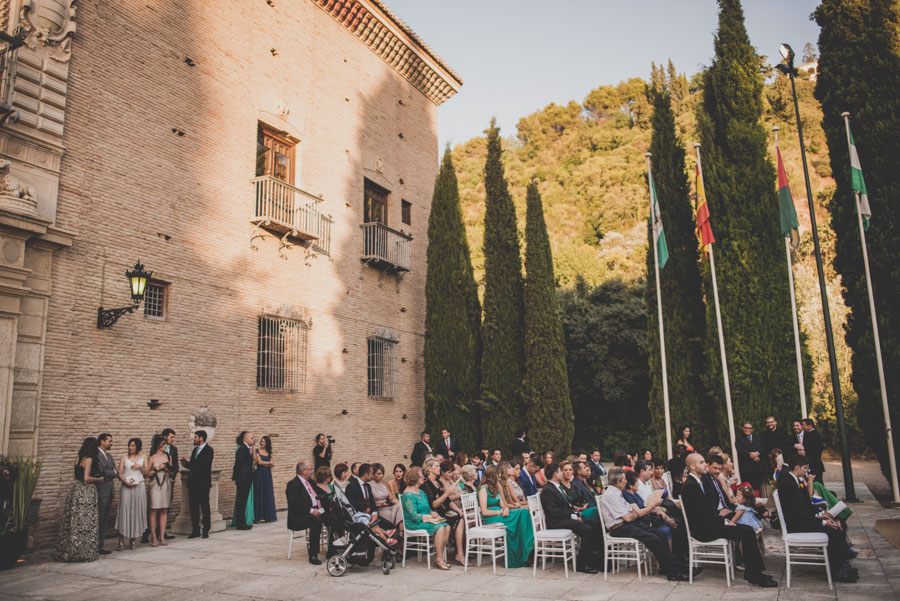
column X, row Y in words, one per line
column 519, row 449
column 512, row 492
column 707, row 525
column 78, row 532
column 242, row 474
column 323, row 486
column 160, row 490
column 597, row 469
column 305, row 510
column 559, row 513
column 517, row 521
column 813, row 447
column 446, row 446
column 686, row 437
column 385, row 501
column 322, row 451
column 774, row 437
column 199, row 483
column 342, row 476
column 421, row 450
column 131, row 520
column 398, row 484
column 171, row 468
column 263, row 488
column 468, row 475
column 478, row 460
column 796, row 439
column 418, row 515
column 106, row 490
column 749, row 451
column 527, row 479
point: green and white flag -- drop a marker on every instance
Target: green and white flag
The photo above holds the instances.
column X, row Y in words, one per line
column 858, row 183
column 659, row 236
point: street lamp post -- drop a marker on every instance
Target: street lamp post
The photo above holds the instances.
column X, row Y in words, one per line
column 788, row 69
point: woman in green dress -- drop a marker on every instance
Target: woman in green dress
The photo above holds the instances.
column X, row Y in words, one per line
column 519, row 532
column 418, row 515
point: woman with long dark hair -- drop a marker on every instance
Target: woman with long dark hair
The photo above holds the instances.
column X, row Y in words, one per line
column 263, row 488
column 519, row 533
column 80, row 527
column 686, row 433
column 131, row 519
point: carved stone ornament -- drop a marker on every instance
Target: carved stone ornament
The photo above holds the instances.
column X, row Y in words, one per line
column 287, row 311
column 204, row 420
column 14, row 195
column 50, row 23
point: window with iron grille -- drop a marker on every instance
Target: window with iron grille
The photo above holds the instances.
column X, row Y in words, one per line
column 382, row 364
column 281, row 354
column 155, row 297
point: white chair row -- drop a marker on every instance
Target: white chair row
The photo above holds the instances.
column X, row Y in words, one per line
column 304, row 534
column 479, row 538
column 550, row 543
column 416, row 540
column 618, row 549
column 718, row 552
column 803, row 548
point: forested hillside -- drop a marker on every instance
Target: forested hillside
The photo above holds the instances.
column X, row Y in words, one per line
column 588, row 158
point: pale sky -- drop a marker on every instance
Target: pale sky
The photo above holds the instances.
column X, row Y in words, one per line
column 517, row 56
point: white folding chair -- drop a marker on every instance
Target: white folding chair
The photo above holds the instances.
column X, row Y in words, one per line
column 558, row 542
column 480, row 538
column 619, row 548
column 803, row 548
column 304, row 534
column 667, row 478
column 415, row 540
column 716, row 551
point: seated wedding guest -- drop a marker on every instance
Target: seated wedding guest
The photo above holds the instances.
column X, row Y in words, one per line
column 512, row 492
column 323, row 486
column 676, row 469
column 643, row 470
column 79, row 528
column 478, row 460
column 622, row 459
column 305, row 509
column 715, row 492
column 582, row 493
column 707, row 525
column 398, row 484
column 716, row 450
column 496, row 457
column 461, row 459
column 657, row 519
column 657, row 480
column 494, row 509
column 745, row 509
column 527, row 476
column 418, row 515
column 801, row 515
column 468, row 474
column 131, row 520
column 378, row 525
column 539, row 476
column 341, row 476
column 443, row 497
column 685, row 438
column 559, row 513
column 727, row 478
column 623, row 520
column 776, row 460
column 354, row 468
column 647, row 455
column 548, row 458
column 385, row 501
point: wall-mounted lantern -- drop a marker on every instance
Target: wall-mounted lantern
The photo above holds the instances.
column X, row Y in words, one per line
column 137, row 281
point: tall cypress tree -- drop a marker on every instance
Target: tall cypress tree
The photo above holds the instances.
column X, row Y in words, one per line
column 683, row 308
column 859, row 72
column 550, row 421
column 749, row 250
column 503, row 356
column 452, row 316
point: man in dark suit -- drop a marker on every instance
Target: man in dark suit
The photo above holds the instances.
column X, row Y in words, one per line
column 242, row 474
column 559, row 513
column 171, row 468
column 796, row 437
column 420, row 450
column 447, row 447
column 359, row 493
column 106, row 490
column 813, row 445
column 199, row 483
column 749, row 450
column 305, row 509
column 519, row 449
column 713, row 488
column 526, row 477
column 597, row 469
column 774, row 437
column 800, row 515
column 706, row 524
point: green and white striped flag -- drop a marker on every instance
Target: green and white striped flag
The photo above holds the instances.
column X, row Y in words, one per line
column 659, row 236
column 858, row 183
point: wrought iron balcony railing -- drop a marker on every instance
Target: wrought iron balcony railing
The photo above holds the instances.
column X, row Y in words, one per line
column 386, row 248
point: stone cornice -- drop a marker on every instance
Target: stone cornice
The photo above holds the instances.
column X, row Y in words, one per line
column 391, row 39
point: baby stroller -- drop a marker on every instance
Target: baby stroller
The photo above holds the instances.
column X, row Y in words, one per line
column 352, row 542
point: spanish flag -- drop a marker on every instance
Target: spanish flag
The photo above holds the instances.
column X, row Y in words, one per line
column 704, row 229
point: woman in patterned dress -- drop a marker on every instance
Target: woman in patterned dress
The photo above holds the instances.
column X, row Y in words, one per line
column 80, row 527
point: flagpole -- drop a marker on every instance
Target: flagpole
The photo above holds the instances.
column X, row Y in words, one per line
column 884, row 400
column 712, row 270
column 662, row 335
column 787, row 248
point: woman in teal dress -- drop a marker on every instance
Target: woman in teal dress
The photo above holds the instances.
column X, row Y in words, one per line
column 417, row 515
column 519, row 531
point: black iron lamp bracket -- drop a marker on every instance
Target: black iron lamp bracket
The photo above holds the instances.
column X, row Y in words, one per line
column 107, row 317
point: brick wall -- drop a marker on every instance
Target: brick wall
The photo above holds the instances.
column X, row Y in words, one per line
column 131, row 189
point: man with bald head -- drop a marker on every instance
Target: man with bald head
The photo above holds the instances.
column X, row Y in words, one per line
column 707, row 525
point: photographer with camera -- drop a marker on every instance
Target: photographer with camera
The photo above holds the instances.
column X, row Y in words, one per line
column 322, row 450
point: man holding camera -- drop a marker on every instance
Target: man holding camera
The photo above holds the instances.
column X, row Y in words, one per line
column 322, row 451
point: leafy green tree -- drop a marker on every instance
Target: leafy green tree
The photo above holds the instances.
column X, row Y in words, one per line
column 683, row 307
column 503, row 357
column 605, row 330
column 859, row 72
column 749, row 249
column 546, row 387
column 452, row 317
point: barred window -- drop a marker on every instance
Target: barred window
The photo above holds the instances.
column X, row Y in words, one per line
column 155, row 297
column 281, row 354
column 382, row 364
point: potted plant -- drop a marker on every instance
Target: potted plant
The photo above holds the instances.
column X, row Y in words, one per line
column 18, row 480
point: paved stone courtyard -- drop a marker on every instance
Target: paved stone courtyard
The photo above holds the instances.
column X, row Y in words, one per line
column 236, row 566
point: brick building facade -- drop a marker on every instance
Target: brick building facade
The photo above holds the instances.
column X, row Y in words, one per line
column 236, row 149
